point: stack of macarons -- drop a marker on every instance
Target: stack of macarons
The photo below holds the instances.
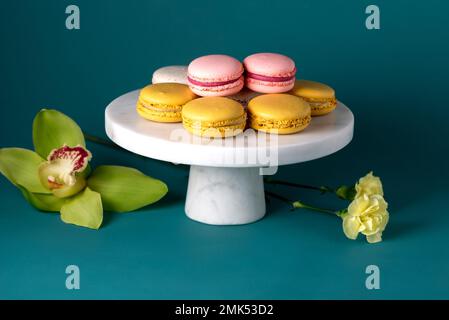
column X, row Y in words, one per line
column 217, row 96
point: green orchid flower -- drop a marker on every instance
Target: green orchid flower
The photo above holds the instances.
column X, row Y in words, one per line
column 57, row 176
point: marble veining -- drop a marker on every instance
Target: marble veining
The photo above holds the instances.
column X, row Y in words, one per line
column 225, row 196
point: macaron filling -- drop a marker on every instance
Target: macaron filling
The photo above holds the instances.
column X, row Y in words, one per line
column 279, row 124
column 159, row 115
column 221, row 128
column 162, row 107
column 269, row 78
column 212, row 84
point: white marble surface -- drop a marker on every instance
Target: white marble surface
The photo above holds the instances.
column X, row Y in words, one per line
column 225, row 196
column 170, row 142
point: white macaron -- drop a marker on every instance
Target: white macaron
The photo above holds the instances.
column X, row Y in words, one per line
column 173, row 74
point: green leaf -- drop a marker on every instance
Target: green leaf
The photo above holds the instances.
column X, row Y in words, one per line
column 43, row 202
column 52, row 129
column 84, row 210
column 125, row 189
column 20, row 166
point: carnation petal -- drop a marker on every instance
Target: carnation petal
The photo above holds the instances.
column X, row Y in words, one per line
column 369, row 184
column 375, row 238
column 351, row 227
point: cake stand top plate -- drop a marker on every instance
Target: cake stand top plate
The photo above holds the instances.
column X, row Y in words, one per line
column 170, row 142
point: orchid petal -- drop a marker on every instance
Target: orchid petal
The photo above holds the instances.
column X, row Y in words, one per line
column 84, row 210
column 43, row 202
column 52, row 129
column 20, row 166
column 125, row 189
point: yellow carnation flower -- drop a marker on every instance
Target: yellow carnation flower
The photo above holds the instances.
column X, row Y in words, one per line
column 368, row 215
column 369, row 185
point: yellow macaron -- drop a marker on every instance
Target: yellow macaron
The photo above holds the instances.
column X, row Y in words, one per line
column 278, row 113
column 163, row 102
column 214, row 117
column 320, row 96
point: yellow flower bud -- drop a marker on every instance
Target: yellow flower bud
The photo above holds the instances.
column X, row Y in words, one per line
column 369, row 185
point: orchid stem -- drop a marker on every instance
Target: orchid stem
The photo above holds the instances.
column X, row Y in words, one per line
column 99, row 140
column 109, row 144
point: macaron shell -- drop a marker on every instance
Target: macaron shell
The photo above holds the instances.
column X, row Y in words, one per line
column 158, row 116
column 244, row 96
column 214, row 117
column 212, row 109
column 163, row 102
column 270, row 64
column 320, row 96
column 170, row 74
column 279, row 106
column 279, row 113
column 166, row 93
column 218, row 91
column 321, row 108
column 281, row 127
column 218, row 129
column 312, row 89
column 269, row 87
column 215, row 68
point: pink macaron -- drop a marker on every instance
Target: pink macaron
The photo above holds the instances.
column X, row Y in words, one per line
column 215, row 75
column 269, row 72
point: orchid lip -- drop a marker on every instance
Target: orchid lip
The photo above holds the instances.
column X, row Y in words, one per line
column 77, row 155
column 59, row 172
column 53, row 184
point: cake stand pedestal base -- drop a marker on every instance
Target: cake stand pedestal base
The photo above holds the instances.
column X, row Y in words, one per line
column 225, row 196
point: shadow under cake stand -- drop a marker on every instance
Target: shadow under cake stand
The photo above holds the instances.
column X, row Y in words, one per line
column 225, row 182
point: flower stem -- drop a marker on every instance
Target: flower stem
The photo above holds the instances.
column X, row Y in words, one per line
column 276, row 196
column 322, row 189
column 299, row 204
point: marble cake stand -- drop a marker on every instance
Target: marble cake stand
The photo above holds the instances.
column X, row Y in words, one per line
column 225, row 183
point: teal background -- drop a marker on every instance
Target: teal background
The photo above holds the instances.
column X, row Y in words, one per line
column 394, row 80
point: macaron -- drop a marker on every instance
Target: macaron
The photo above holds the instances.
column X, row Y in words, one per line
column 269, row 72
column 163, row 102
column 320, row 96
column 214, row 117
column 173, row 74
column 215, row 75
column 244, row 96
column 278, row 113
